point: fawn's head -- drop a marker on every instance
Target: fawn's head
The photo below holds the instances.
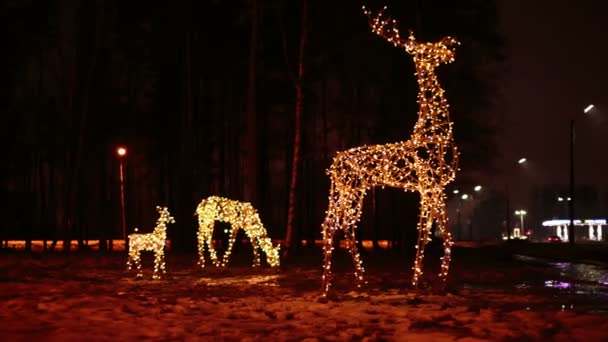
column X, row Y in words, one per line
column 165, row 216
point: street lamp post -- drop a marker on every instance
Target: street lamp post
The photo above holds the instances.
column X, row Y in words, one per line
column 571, row 203
column 477, row 189
column 122, row 152
column 572, row 182
column 458, row 223
column 464, row 197
column 562, row 199
column 508, row 212
column 461, row 198
column 521, row 214
column 508, row 216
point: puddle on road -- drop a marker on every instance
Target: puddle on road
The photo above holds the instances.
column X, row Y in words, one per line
column 562, row 286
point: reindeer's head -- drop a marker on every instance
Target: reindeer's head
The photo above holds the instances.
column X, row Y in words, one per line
column 433, row 54
column 441, row 52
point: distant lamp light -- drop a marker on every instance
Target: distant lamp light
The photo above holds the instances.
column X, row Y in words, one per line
column 464, row 196
column 588, row 108
column 569, row 199
column 121, row 151
column 522, row 160
column 456, row 191
column 560, row 199
column 477, row 188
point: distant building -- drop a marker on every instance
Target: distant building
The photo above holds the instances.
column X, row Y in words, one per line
column 590, row 230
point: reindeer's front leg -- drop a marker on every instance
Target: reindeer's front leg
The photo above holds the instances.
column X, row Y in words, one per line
column 442, row 225
column 233, row 232
column 137, row 257
column 207, row 237
column 350, row 234
column 328, row 239
column 329, row 228
column 159, row 261
column 130, row 258
column 256, row 246
column 424, row 228
column 201, row 237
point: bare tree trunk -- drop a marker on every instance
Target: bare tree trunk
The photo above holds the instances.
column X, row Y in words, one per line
column 251, row 163
column 186, row 178
column 73, row 181
column 297, row 134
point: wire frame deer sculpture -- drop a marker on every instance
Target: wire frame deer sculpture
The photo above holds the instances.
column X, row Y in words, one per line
column 425, row 163
column 240, row 215
column 154, row 242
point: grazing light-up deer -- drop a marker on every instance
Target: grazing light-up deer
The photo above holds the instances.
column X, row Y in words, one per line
column 425, row 163
column 154, row 242
column 240, row 215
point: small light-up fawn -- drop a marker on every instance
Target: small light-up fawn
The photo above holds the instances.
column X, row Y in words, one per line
column 154, row 242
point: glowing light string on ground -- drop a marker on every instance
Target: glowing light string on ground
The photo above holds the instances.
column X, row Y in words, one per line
column 240, row 215
column 154, row 242
column 426, row 163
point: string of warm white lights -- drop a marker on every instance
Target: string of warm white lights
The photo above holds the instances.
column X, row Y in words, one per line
column 240, row 215
column 154, row 242
column 425, row 164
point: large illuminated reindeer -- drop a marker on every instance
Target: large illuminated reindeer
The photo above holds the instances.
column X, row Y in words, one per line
column 425, row 163
column 154, row 242
column 240, row 215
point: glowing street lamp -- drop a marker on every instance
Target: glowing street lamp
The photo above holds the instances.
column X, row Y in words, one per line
column 477, row 188
column 121, row 151
column 521, row 160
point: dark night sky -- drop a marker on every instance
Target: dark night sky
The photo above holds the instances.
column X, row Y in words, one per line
column 557, row 65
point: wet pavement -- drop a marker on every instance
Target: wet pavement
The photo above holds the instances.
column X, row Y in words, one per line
column 563, row 286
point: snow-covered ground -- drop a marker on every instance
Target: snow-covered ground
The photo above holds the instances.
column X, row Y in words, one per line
column 89, row 296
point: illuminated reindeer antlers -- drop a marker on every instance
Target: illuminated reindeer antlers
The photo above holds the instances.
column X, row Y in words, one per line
column 386, row 28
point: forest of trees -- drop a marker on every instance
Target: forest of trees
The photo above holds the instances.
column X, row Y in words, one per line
column 208, row 96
